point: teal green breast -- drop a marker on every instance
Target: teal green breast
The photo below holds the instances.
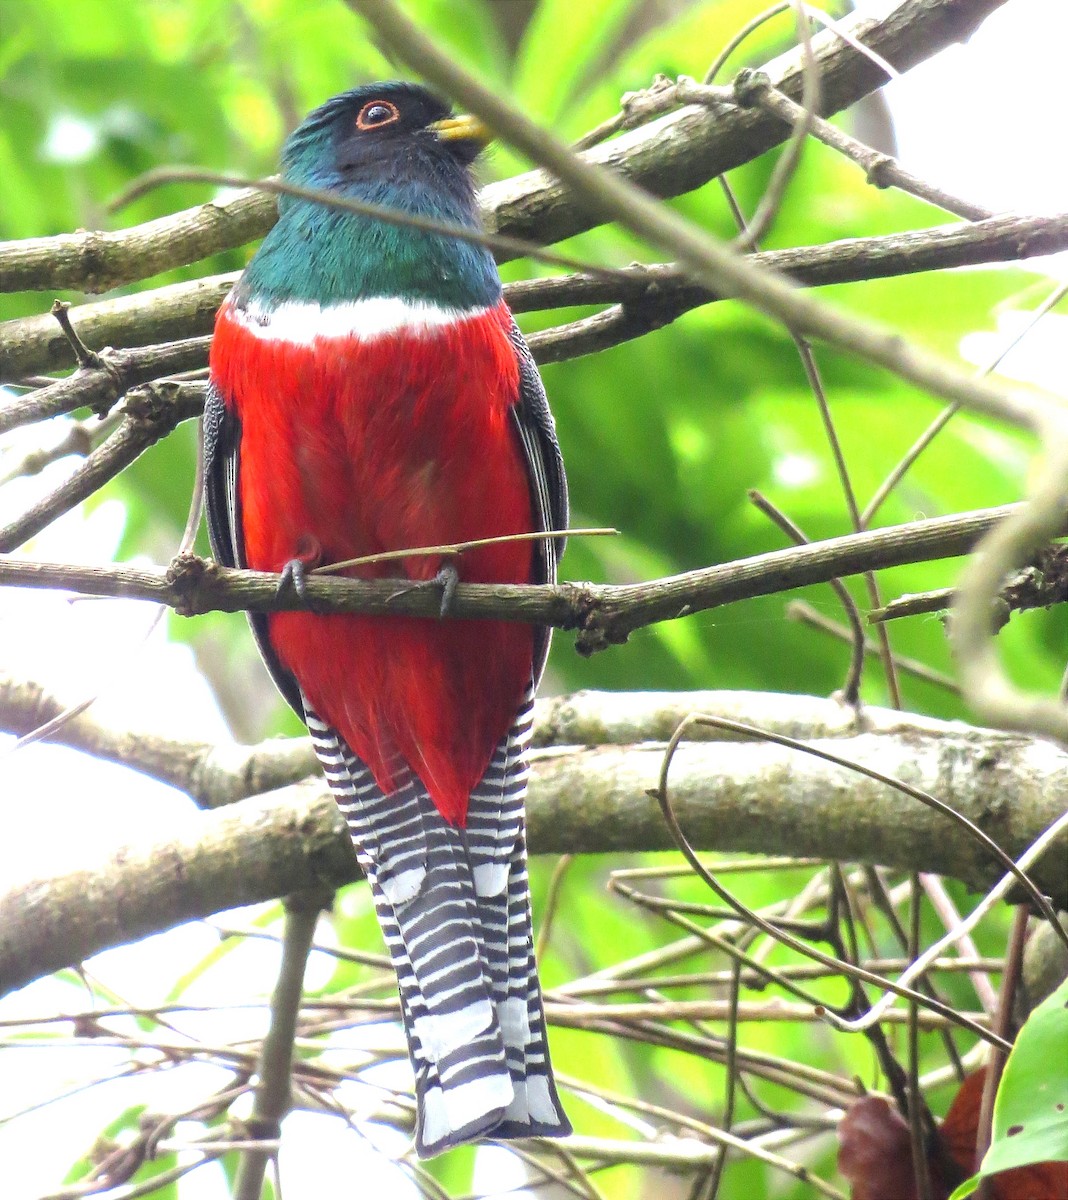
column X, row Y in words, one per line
column 325, row 255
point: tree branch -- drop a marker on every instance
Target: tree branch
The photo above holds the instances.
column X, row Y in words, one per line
column 674, row 154
column 604, row 614
column 730, row 796
column 101, row 386
column 93, row 260
column 214, row 774
column 148, row 414
column 881, row 170
column 31, row 344
column 649, row 298
column 1041, row 585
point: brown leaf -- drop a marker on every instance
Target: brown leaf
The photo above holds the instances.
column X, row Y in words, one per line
column 875, row 1152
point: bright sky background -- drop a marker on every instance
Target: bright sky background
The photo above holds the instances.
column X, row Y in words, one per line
column 987, row 122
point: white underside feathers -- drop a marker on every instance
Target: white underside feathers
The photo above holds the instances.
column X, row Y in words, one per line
column 441, row 1033
column 403, row 887
column 448, row 1110
column 490, row 878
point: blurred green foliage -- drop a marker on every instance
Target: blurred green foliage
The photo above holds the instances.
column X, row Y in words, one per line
column 663, row 437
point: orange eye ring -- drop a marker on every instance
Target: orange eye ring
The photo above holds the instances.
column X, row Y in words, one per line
column 376, row 113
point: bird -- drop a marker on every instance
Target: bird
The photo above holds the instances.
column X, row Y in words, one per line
column 369, row 391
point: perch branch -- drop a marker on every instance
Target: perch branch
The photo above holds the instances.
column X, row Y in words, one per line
column 604, row 614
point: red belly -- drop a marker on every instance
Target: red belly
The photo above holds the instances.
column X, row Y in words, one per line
column 361, row 447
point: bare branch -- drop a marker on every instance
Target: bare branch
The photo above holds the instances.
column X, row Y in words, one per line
column 734, row 796
column 1037, row 586
column 96, row 261
column 648, row 297
column 98, row 387
column 604, row 614
column 31, row 344
column 675, row 154
column 881, row 170
column 212, row 774
column 148, row 415
column 215, row 774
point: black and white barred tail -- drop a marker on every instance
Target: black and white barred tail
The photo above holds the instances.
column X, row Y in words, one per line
column 454, row 906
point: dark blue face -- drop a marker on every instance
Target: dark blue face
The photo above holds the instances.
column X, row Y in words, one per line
column 374, row 133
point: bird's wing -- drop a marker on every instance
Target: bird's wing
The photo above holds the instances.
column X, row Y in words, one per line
column 222, row 503
column 545, row 468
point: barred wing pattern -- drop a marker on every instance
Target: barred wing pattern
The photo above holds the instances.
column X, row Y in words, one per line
column 454, row 906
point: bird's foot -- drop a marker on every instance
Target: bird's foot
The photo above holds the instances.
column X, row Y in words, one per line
column 445, row 579
column 295, row 572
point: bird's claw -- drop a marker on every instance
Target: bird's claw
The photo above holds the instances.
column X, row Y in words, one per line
column 445, row 578
column 295, row 572
column 294, row 580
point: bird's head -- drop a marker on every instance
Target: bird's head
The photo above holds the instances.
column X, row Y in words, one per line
column 390, row 132
column 392, row 144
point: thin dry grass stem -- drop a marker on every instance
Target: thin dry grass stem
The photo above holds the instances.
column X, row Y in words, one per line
column 916, row 1110
column 451, row 549
column 709, row 1189
column 858, row 642
column 808, row 614
column 748, row 28
column 552, row 904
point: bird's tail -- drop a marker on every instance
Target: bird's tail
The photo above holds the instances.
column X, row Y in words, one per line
column 454, row 906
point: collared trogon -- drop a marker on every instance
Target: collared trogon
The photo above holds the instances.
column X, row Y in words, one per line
column 370, row 392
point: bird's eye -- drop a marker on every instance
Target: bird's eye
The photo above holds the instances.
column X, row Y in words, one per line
column 377, row 113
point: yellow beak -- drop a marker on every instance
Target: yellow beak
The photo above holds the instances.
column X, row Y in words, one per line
column 465, row 128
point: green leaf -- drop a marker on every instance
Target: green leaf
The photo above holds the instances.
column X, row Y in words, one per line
column 1031, row 1107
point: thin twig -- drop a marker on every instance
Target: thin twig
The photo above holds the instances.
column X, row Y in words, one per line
column 942, row 420
column 449, row 549
column 786, row 166
column 504, row 246
column 881, row 170
column 272, row 1096
column 84, row 357
column 801, row 610
column 857, row 640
